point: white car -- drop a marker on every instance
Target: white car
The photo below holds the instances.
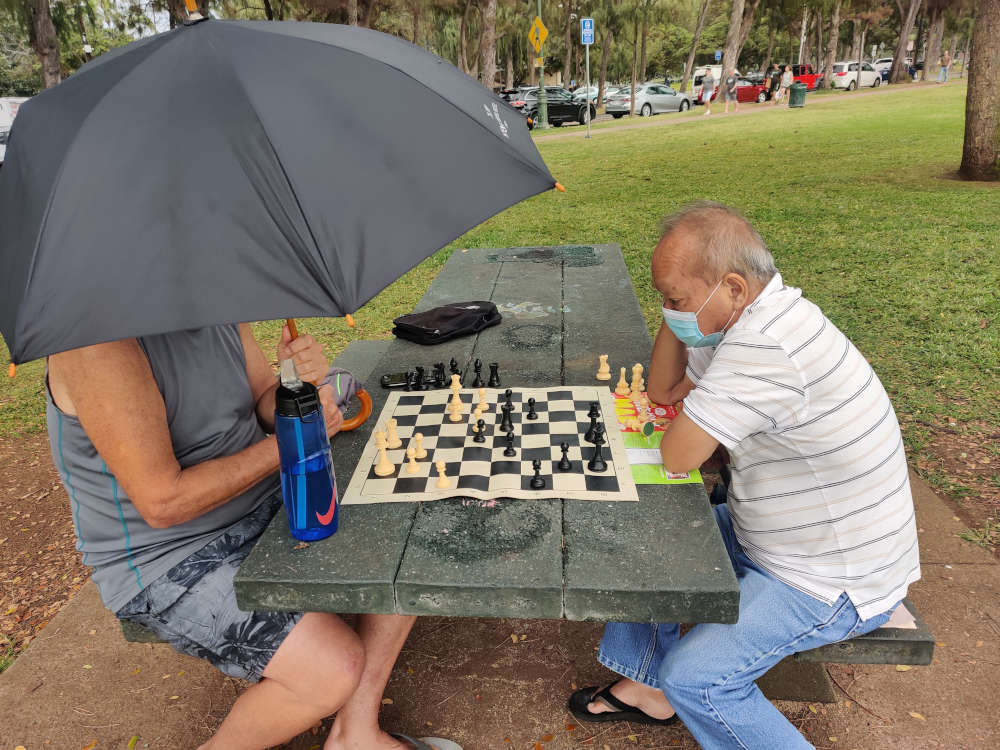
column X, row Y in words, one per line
column 580, row 93
column 882, row 64
column 845, row 75
column 8, row 110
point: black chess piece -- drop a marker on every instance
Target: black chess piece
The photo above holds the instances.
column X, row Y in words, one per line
column 411, row 383
column 537, row 483
column 454, row 367
column 597, row 462
column 595, row 410
column 509, row 450
column 478, row 367
column 506, row 424
column 591, row 431
column 599, row 434
column 439, row 376
column 508, row 395
column 480, row 432
column 532, row 414
column 564, row 464
column 421, row 383
column 494, row 375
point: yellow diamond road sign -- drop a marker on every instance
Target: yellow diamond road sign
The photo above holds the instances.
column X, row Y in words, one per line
column 537, row 34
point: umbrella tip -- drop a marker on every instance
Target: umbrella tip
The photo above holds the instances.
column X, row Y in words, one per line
column 350, row 320
column 11, row 370
column 559, row 186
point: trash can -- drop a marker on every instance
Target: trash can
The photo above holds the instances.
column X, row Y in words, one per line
column 797, row 95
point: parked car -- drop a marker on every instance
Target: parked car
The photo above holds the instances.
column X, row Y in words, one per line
column 8, row 111
column 845, row 75
column 699, row 75
column 581, row 93
column 804, row 74
column 650, row 99
column 883, row 64
column 559, row 104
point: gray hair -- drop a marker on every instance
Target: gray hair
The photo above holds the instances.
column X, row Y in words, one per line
column 726, row 242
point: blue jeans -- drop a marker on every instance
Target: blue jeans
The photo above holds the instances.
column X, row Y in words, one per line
column 708, row 676
column 943, row 75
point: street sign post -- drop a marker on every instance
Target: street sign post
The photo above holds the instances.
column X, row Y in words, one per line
column 537, row 35
column 718, row 55
column 586, row 39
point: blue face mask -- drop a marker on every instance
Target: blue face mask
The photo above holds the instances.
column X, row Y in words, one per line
column 684, row 325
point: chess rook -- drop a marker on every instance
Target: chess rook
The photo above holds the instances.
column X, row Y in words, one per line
column 494, row 375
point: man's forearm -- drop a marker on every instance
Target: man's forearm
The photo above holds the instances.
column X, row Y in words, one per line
column 666, row 368
column 265, row 408
column 205, row 486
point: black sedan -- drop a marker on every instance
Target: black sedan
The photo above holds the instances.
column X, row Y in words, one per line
column 559, row 105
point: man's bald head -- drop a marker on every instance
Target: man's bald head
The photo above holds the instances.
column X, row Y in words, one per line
column 710, row 240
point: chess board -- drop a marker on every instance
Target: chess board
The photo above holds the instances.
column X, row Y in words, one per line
column 480, row 470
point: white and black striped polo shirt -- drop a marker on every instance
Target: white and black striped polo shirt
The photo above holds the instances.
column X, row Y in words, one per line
column 820, row 495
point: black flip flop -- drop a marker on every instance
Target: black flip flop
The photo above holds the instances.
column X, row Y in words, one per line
column 621, row 711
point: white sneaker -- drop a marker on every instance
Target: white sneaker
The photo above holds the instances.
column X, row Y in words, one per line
column 707, row 114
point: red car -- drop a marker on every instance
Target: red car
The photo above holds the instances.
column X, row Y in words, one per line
column 746, row 91
column 805, row 74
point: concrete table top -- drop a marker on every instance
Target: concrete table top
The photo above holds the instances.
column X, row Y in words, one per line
column 659, row 560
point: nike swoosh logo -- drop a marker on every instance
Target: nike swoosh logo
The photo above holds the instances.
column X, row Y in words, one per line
column 328, row 516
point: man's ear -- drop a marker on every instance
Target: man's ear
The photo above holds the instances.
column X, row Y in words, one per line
column 737, row 288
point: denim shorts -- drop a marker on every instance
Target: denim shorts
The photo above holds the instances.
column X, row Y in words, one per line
column 193, row 606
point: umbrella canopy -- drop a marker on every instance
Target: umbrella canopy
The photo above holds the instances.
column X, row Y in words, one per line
column 230, row 171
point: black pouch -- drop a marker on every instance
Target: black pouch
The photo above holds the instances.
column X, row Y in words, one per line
column 446, row 322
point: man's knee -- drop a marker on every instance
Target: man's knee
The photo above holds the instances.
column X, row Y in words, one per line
column 680, row 672
column 321, row 661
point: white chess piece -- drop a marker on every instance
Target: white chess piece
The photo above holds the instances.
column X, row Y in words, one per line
column 603, row 371
column 443, row 483
column 412, row 467
column 483, row 405
column 383, row 467
column 455, row 411
column 391, row 436
column 622, row 388
column 421, row 452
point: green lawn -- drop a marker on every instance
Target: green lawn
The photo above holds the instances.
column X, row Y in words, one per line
column 854, row 197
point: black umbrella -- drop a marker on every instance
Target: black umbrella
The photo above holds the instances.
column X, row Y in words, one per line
column 230, row 171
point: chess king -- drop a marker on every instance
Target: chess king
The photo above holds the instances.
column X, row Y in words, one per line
column 819, row 521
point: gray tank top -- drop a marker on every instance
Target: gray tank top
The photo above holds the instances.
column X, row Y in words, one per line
column 210, row 412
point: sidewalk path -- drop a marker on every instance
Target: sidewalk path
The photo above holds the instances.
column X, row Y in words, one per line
column 467, row 679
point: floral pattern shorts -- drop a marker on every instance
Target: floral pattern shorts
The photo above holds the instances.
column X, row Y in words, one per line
column 193, row 607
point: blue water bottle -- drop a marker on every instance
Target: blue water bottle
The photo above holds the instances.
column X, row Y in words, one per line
column 308, row 485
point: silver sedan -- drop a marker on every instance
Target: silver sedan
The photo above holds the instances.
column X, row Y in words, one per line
column 650, row 99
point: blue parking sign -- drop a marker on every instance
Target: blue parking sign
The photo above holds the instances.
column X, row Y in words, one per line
column 586, row 31
column 718, row 55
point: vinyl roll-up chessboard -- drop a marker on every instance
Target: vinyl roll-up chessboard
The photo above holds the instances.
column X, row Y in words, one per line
column 480, row 469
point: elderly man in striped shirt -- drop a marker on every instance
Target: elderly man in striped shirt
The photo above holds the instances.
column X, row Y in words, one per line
column 819, row 518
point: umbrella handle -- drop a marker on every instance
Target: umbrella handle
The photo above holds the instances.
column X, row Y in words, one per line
column 359, row 419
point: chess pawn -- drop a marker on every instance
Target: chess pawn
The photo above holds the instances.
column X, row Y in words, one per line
column 420, row 451
column 383, row 467
column 443, row 483
column 603, row 371
column 411, row 456
column 622, row 388
column 392, row 438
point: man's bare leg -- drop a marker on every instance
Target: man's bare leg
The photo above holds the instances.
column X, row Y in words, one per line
column 356, row 726
column 312, row 674
column 649, row 700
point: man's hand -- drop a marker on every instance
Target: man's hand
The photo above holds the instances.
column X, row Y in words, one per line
column 331, row 412
column 307, row 354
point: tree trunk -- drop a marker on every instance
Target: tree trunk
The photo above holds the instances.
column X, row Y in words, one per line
column 488, row 46
column 463, row 44
column 268, row 10
column 635, row 61
column 371, row 14
column 642, row 53
column 352, row 12
column 42, row 36
column 415, row 14
column 746, row 25
column 603, row 74
column 898, row 71
column 819, row 39
column 568, row 61
column 981, row 150
column 689, row 65
column 510, row 72
column 731, row 49
column 855, row 39
column 935, row 33
column 178, row 12
column 802, row 34
column 770, row 50
column 831, row 51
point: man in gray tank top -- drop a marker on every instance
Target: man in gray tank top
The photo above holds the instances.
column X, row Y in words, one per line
column 164, row 446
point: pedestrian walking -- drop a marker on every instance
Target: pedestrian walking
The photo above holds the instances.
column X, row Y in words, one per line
column 707, row 90
column 730, row 89
column 786, row 81
column 945, row 63
column 774, row 84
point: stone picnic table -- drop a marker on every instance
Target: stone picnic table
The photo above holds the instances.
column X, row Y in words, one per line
column 659, row 560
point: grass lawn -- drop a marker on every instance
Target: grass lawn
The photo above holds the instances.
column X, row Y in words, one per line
column 856, row 201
